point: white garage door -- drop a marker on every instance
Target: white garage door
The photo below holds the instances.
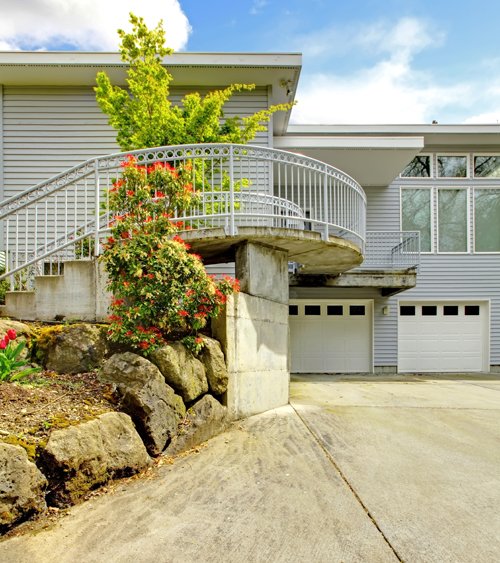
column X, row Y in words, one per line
column 331, row 336
column 443, row 336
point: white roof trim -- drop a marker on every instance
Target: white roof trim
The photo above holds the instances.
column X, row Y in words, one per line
column 395, row 143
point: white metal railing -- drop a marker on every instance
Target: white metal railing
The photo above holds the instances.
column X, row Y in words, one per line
column 241, row 185
column 392, row 250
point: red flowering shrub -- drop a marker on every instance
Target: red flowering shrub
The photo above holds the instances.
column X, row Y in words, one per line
column 156, row 283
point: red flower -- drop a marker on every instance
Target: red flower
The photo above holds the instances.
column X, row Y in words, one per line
column 130, row 192
column 11, row 334
column 2, row 345
column 183, row 313
column 199, row 340
column 6, row 339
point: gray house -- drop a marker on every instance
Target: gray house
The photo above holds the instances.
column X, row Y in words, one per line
column 395, row 258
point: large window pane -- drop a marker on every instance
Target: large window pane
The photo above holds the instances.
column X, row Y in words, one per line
column 416, row 214
column 452, row 166
column 487, row 166
column 419, row 167
column 487, row 220
column 452, row 217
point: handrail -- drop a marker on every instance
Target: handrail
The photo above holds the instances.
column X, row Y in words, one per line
column 392, row 250
column 242, row 185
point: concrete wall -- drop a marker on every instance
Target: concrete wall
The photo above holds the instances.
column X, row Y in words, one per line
column 254, row 333
column 80, row 293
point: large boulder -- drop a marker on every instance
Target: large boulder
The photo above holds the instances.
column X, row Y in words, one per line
column 23, row 332
column 212, row 358
column 77, row 348
column 204, row 419
column 22, row 485
column 181, row 370
column 79, row 458
column 153, row 405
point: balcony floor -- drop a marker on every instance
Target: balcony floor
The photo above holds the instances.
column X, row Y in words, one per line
column 317, row 256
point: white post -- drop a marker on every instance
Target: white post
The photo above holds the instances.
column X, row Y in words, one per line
column 97, row 208
column 231, row 192
column 325, row 203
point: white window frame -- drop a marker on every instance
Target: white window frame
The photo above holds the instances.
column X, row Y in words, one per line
column 482, row 178
column 431, row 203
column 474, row 217
column 467, row 189
column 453, row 178
column 420, row 178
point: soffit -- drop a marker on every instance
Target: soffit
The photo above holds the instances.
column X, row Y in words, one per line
column 371, row 161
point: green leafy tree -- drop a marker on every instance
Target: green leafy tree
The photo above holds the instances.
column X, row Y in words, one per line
column 158, row 286
column 144, row 116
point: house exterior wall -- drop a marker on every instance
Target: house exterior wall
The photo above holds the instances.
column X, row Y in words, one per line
column 467, row 276
column 46, row 130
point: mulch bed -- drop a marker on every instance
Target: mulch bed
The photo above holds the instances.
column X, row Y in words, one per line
column 43, row 402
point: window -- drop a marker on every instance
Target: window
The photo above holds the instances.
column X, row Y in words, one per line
column 293, row 309
column 416, row 214
column 487, row 166
column 471, row 310
column 407, row 310
column 450, row 310
column 313, row 309
column 356, row 310
column 452, row 220
column 429, row 310
column 486, row 220
column 452, row 166
column 336, row 310
column 419, row 167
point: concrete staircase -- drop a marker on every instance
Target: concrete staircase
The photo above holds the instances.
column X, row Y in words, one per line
column 80, row 293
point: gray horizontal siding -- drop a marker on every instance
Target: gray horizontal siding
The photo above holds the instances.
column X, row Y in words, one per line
column 442, row 276
column 49, row 129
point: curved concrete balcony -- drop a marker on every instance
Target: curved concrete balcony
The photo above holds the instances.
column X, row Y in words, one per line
column 255, row 194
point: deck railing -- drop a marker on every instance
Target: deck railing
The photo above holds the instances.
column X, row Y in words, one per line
column 392, row 250
column 241, row 185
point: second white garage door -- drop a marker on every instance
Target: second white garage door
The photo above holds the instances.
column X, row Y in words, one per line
column 331, row 336
column 449, row 336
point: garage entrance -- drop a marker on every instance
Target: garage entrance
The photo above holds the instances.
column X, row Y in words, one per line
column 331, row 336
column 443, row 336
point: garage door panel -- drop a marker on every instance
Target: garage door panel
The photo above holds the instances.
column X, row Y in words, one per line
column 331, row 343
column 441, row 343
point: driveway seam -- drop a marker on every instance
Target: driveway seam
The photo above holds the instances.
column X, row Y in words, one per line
column 337, row 468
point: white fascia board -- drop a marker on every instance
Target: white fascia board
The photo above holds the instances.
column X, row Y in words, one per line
column 394, row 143
column 422, row 129
column 176, row 59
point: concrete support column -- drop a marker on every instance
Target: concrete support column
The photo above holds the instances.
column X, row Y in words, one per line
column 254, row 332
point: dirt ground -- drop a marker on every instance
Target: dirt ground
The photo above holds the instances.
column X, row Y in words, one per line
column 30, row 410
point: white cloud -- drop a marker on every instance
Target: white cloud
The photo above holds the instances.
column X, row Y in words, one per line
column 484, row 118
column 85, row 24
column 390, row 91
column 257, row 6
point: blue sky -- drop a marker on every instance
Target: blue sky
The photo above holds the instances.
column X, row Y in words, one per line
column 364, row 61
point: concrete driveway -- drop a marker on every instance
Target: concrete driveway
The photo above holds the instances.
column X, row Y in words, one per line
column 357, row 469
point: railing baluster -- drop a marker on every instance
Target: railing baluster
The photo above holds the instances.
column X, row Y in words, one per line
column 96, row 208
